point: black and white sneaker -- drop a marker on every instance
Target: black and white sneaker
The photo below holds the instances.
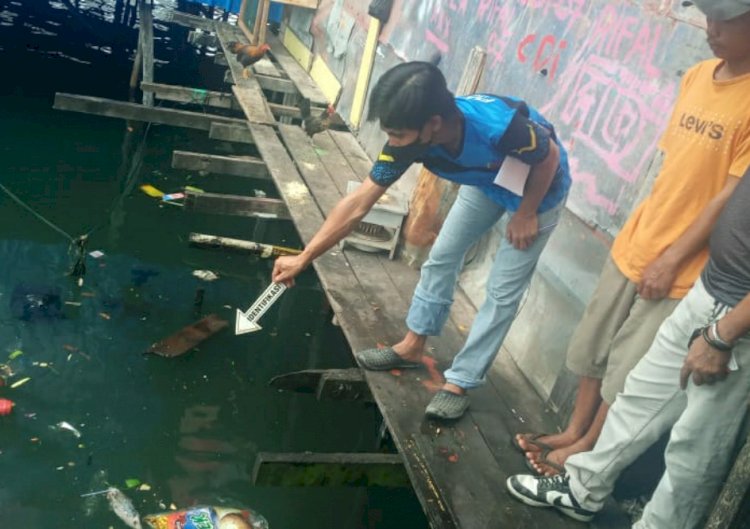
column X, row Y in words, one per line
column 548, row 492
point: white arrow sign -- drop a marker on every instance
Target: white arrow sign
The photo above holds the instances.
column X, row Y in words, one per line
column 247, row 321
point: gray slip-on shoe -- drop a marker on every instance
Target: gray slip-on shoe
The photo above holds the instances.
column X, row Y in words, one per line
column 446, row 405
column 383, row 359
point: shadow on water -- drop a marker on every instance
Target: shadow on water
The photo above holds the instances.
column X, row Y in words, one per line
column 190, row 427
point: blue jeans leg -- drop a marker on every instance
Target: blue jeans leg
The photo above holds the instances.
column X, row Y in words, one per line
column 471, row 215
column 509, row 277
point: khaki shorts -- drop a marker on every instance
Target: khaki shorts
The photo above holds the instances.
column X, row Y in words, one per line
column 616, row 330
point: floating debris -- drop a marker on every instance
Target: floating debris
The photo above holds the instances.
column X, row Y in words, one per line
column 6, row 407
column 205, row 275
column 64, row 425
column 19, row 383
column 123, row 508
column 96, row 254
column 152, row 191
column 15, row 354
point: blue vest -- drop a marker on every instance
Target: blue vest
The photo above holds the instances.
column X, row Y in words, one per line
column 487, row 117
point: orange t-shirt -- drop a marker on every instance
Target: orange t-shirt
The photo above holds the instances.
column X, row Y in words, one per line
column 707, row 139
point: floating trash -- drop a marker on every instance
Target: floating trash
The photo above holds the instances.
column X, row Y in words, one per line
column 123, row 508
column 6, row 407
column 64, row 425
column 205, row 275
column 19, row 383
column 207, row 517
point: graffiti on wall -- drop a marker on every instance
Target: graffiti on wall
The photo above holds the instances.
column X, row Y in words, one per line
column 601, row 70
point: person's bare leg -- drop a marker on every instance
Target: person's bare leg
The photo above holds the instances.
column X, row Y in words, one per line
column 411, row 346
column 585, row 410
column 584, row 444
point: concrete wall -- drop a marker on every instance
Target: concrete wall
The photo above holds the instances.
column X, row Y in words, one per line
column 605, row 72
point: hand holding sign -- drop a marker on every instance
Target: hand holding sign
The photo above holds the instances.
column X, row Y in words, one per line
column 247, row 321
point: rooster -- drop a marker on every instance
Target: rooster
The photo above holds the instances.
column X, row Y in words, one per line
column 327, row 119
column 247, row 54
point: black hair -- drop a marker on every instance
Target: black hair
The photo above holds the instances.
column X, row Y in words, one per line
column 408, row 95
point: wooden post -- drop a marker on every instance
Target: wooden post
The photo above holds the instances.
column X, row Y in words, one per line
column 365, row 70
column 727, row 510
column 146, row 34
column 433, row 196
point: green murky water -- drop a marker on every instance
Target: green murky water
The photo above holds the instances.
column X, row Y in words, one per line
column 189, row 427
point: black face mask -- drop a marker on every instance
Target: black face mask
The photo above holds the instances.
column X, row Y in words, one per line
column 405, row 154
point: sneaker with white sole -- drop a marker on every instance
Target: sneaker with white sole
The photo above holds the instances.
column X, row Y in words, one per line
column 550, row 491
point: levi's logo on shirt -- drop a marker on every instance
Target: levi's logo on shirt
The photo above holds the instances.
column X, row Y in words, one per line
column 704, row 127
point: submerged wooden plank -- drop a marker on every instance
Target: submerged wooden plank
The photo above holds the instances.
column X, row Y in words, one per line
column 234, row 133
column 188, row 337
column 220, row 204
column 305, row 85
column 333, row 470
column 134, row 111
column 247, row 166
column 202, row 240
column 326, row 384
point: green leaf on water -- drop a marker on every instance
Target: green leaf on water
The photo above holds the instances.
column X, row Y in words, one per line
column 132, row 482
column 15, row 354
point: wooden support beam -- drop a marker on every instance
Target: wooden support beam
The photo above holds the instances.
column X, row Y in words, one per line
column 365, row 70
column 266, row 67
column 727, row 509
column 247, row 166
column 276, row 85
column 211, row 98
column 134, row 111
column 234, row 133
column 219, row 204
column 202, row 240
column 197, row 96
column 334, row 470
column 326, row 384
column 146, row 35
column 190, row 21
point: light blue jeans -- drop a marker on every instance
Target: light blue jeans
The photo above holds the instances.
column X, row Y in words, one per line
column 470, row 217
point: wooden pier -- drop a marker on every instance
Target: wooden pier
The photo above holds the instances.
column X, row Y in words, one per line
column 457, row 471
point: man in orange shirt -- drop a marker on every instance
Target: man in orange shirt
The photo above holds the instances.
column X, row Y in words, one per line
column 661, row 249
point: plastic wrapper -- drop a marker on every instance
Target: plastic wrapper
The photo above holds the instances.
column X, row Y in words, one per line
column 207, row 517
